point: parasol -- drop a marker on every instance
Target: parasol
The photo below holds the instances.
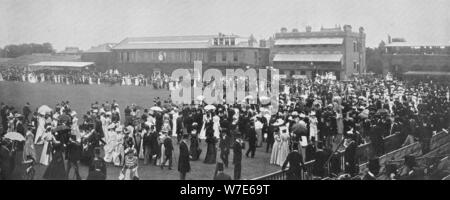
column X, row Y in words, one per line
column 279, row 122
column 200, row 97
column 44, row 109
column 264, row 98
column 156, row 108
column 14, row 136
column 210, row 107
column 249, row 97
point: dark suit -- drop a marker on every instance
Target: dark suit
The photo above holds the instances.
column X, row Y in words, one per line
column 295, row 161
column 351, row 164
column 237, row 159
column 251, row 143
column 168, row 152
column 183, row 161
column 319, row 163
column 73, row 156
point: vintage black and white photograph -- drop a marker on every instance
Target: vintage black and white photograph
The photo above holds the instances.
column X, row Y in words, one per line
column 224, row 90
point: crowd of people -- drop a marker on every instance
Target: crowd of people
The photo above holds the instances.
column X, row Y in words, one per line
column 316, row 117
column 71, row 77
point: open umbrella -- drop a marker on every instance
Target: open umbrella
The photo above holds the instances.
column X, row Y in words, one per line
column 249, row 97
column 44, row 109
column 156, row 108
column 200, row 97
column 210, row 107
column 264, row 98
column 14, row 136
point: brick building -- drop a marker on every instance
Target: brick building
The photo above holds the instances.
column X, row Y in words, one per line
column 338, row 50
column 164, row 54
column 402, row 57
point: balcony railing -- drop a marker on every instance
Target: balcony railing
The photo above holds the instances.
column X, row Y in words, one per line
column 392, row 145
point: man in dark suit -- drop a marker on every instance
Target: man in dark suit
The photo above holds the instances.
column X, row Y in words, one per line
column 351, row 164
column 73, row 156
column 295, row 160
column 251, row 141
column 237, row 156
column 168, row 151
column 224, row 145
column 374, row 169
column 220, row 174
column 183, row 161
column 321, row 157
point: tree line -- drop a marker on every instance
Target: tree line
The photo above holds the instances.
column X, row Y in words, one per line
column 14, row 51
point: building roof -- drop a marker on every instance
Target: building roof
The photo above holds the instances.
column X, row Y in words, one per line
column 62, row 64
column 309, row 41
column 431, row 73
column 103, row 48
column 307, row 58
column 166, row 42
column 412, row 44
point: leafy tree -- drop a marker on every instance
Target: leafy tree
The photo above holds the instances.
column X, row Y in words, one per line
column 13, row 51
column 374, row 58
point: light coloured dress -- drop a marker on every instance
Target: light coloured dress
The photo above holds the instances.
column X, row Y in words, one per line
column 275, row 149
column 313, row 127
column 46, row 158
column 284, row 148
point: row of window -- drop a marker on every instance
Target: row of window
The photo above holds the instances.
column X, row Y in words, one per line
column 224, row 41
column 161, row 56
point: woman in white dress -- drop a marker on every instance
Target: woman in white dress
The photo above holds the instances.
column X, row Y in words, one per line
column 216, row 126
column 40, row 130
column 284, row 145
column 275, row 148
column 313, row 125
column 174, row 123
column 46, row 156
column 111, row 143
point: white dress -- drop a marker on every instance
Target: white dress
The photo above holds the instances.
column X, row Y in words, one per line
column 202, row 135
column 111, row 146
column 284, row 148
column 313, row 127
column 40, row 130
column 46, row 158
column 174, row 124
column 275, row 149
column 216, row 126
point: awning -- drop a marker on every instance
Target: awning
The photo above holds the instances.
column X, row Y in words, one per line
column 429, row 73
column 310, row 41
column 307, row 58
column 56, row 65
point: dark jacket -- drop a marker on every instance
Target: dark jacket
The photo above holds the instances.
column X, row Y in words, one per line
column 296, row 165
column 183, row 161
column 237, row 153
column 168, row 146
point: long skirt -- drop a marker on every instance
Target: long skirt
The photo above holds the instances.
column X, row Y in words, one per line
column 211, row 154
column 45, row 157
column 56, row 170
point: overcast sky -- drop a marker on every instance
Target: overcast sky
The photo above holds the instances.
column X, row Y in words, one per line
column 86, row 23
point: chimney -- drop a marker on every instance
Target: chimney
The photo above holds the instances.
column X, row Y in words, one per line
column 389, row 39
column 283, row 30
column 347, row 28
column 295, row 30
column 308, row 29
